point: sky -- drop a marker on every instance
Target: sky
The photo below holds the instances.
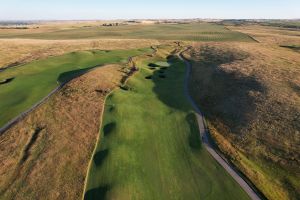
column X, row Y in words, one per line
column 151, row 9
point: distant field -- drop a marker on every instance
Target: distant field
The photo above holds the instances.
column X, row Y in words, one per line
column 21, row 51
column 283, row 23
column 21, row 87
column 189, row 32
column 150, row 147
column 289, row 24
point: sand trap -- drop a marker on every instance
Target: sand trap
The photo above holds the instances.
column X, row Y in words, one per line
column 163, row 64
column 5, row 81
column 153, row 65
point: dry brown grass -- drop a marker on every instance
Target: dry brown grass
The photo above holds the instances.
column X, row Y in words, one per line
column 45, row 156
column 269, row 35
column 19, row 51
column 250, row 94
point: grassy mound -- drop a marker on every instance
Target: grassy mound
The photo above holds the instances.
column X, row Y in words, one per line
column 37, row 79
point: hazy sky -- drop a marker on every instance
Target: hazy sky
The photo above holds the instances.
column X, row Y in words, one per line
column 132, row 9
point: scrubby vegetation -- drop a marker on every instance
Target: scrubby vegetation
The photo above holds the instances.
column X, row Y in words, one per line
column 248, row 95
column 45, row 155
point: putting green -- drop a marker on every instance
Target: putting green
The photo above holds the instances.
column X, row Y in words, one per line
column 33, row 81
column 149, row 145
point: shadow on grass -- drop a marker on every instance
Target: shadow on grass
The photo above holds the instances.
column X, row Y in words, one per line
column 32, row 140
column 97, row 193
column 227, row 96
column 100, row 156
column 169, row 84
column 5, row 81
column 194, row 137
column 109, row 128
column 293, row 47
column 222, row 95
column 67, row 76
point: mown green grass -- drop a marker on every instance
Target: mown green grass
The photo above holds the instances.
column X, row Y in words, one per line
column 34, row 81
column 149, row 145
column 189, row 32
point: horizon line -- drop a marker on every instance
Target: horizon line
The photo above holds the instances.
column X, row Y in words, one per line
column 99, row 19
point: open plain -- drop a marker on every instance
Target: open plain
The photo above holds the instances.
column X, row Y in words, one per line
column 97, row 109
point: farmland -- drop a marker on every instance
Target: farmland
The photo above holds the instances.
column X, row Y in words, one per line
column 189, row 32
column 152, row 107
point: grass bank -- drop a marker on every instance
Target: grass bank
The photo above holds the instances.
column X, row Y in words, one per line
column 31, row 82
column 253, row 113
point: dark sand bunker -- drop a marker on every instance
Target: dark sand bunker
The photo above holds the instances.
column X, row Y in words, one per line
column 125, row 87
column 171, row 58
column 5, row 81
column 153, row 65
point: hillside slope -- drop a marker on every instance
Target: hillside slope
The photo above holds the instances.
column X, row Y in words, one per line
column 250, row 94
column 45, row 155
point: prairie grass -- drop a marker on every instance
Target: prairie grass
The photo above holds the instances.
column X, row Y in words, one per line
column 14, row 52
column 45, row 155
column 250, row 96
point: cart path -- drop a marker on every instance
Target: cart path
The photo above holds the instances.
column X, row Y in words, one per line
column 205, row 141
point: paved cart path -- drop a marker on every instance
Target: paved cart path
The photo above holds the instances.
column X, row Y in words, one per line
column 209, row 147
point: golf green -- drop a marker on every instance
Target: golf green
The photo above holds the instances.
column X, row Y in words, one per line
column 149, row 145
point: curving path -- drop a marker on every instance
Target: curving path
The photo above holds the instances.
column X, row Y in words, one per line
column 207, row 144
column 12, row 122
